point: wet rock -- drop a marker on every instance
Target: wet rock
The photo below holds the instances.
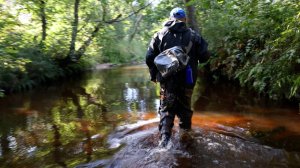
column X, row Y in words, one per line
column 208, row 149
column 205, row 148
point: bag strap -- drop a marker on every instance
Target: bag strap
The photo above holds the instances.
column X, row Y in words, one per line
column 189, row 47
column 161, row 35
column 165, row 30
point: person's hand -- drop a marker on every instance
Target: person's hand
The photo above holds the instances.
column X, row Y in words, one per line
column 154, row 81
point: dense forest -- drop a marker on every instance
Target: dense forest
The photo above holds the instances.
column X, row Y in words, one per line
column 255, row 43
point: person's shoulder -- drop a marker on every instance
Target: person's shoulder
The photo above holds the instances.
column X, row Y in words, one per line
column 194, row 33
column 160, row 32
column 155, row 35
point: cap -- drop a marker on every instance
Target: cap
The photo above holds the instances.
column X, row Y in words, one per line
column 177, row 13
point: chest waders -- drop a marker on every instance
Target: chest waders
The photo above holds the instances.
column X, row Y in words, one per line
column 175, row 100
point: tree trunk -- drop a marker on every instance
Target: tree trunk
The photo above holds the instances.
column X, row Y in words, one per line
column 191, row 16
column 57, row 152
column 74, row 55
column 71, row 55
column 43, row 19
column 84, row 46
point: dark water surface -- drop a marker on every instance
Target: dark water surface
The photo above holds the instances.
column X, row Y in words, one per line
column 109, row 119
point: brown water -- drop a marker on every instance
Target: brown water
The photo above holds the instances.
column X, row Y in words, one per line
column 108, row 119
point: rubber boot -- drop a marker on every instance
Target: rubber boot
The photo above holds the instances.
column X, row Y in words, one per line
column 164, row 140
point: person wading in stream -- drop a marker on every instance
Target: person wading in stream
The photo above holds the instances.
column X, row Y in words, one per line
column 175, row 92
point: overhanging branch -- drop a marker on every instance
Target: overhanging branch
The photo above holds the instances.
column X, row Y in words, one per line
column 113, row 20
column 119, row 19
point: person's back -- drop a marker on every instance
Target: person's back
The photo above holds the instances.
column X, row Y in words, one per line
column 175, row 92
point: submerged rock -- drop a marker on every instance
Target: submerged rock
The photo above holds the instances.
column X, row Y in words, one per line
column 205, row 148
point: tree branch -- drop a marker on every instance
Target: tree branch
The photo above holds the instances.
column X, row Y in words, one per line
column 119, row 19
column 113, row 20
column 86, row 43
column 136, row 27
column 74, row 31
column 82, row 27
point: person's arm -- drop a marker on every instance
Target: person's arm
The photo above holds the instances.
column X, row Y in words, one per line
column 202, row 49
column 152, row 52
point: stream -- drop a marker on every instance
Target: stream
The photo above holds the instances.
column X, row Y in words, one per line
column 108, row 118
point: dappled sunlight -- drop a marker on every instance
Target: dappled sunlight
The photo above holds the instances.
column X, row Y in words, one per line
column 247, row 120
column 207, row 118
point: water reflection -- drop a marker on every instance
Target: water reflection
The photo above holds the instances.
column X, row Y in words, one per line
column 130, row 96
column 69, row 124
column 85, row 122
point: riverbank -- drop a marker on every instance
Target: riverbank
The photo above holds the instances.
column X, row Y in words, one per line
column 20, row 74
column 30, row 75
column 26, row 76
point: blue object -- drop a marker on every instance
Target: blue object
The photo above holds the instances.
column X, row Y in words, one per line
column 189, row 75
column 177, row 13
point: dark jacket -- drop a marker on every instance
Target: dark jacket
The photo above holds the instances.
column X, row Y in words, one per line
column 176, row 33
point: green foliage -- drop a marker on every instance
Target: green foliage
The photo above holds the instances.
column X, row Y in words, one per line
column 256, row 43
column 26, row 70
column 27, row 60
column 124, row 41
column 1, row 93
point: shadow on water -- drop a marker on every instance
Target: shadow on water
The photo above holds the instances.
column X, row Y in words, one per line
column 108, row 119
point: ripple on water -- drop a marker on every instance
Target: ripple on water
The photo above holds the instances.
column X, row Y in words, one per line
column 206, row 149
